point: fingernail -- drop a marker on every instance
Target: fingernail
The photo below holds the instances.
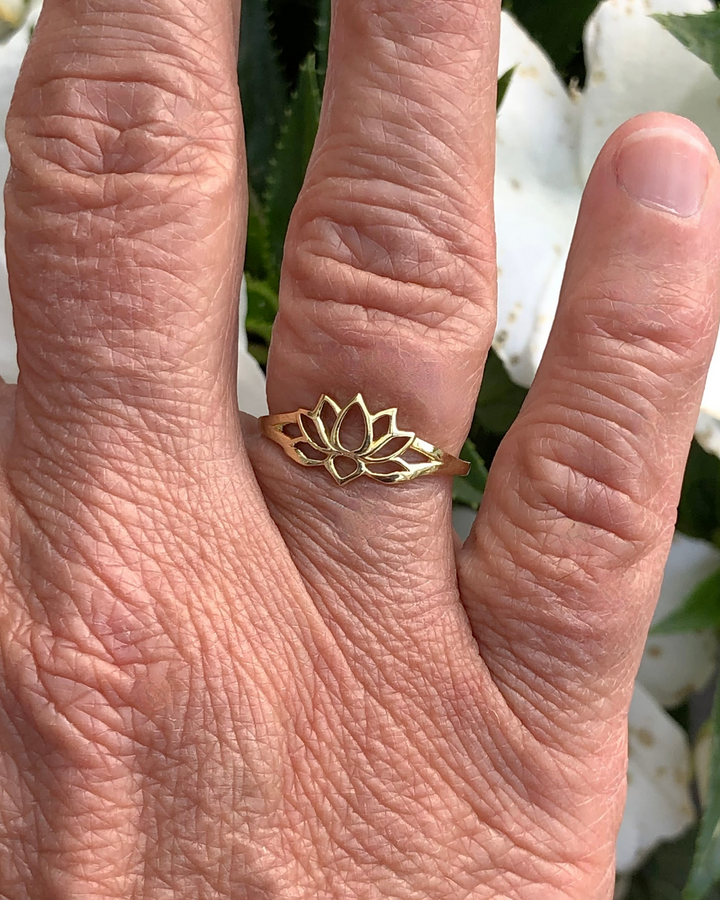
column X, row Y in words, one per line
column 664, row 169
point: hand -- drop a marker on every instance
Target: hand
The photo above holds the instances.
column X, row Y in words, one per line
column 222, row 675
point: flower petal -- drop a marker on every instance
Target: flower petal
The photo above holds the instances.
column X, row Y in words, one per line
column 344, row 434
column 304, row 451
column 389, row 447
column 11, row 56
column 675, row 665
column 312, row 435
column 463, row 520
column 711, row 395
column 537, row 121
column 659, row 805
column 251, row 380
column 707, row 433
column 355, row 471
column 537, row 195
column 702, row 761
column 634, row 65
column 385, row 472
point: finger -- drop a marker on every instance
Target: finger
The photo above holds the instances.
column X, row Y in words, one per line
column 564, row 565
column 389, row 279
column 124, row 215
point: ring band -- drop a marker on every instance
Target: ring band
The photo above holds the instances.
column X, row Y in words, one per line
column 384, row 453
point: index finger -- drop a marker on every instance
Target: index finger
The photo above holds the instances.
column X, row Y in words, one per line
column 124, row 219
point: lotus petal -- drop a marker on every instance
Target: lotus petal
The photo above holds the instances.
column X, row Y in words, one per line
column 659, row 806
column 341, row 441
column 300, row 451
column 385, row 472
column 381, row 450
column 355, row 472
column 312, row 429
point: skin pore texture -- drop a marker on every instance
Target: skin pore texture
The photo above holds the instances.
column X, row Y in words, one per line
column 221, row 674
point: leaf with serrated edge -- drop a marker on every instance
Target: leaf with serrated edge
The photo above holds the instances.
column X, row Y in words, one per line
column 699, row 33
column 263, row 89
column 705, row 871
column 292, row 154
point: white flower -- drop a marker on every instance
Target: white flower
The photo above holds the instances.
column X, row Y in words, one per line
column 251, row 381
column 12, row 15
column 659, row 804
column 11, row 56
column 702, row 759
column 676, row 665
column 548, row 139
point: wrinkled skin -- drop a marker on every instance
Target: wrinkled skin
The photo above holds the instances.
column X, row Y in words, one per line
column 223, row 676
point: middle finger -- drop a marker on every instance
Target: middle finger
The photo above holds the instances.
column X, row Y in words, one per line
column 388, row 288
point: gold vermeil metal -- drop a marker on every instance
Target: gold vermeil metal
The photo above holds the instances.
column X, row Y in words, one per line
column 374, row 456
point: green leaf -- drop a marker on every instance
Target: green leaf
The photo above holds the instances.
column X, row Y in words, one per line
column 262, row 308
column 259, row 262
column 663, row 876
column 699, row 33
column 262, row 88
column 287, row 171
column 698, row 612
column 503, row 84
column 705, row 872
column 465, row 494
column 478, row 474
column 699, row 510
column 470, row 489
column 259, row 351
column 500, row 399
column 557, row 25
column 295, row 30
column 322, row 40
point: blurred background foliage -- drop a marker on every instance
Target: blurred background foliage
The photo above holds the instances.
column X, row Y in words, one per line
column 281, row 70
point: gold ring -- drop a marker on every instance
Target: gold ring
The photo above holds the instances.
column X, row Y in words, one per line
column 382, row 451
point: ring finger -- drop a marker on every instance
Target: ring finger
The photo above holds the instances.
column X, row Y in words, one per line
column 388, row 290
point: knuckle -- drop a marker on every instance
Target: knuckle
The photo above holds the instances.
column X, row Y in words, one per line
column 103, row 150
column 579, row 490
column 393, row 254
column 667, row 340
column 119, row 166
column 584, row 467
column 585, row 503
column 136, row 108
column 584, row 519
column 457, row 18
